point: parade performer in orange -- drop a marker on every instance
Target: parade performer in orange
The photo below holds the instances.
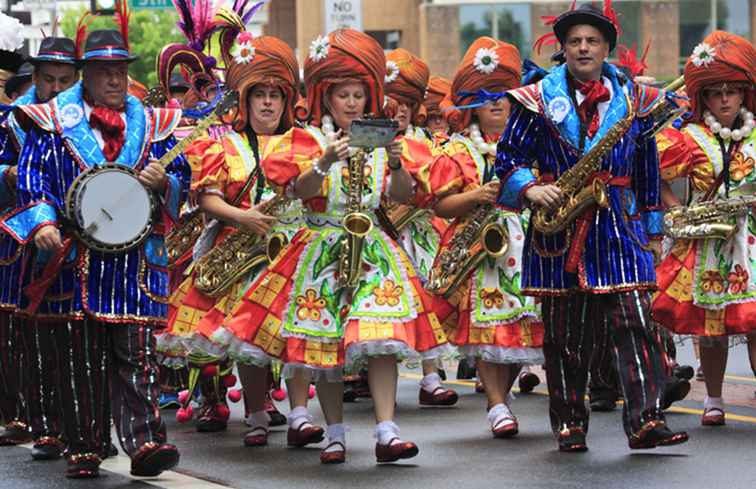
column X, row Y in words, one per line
column 707, row 286
column 315, row 309
column 488, row 319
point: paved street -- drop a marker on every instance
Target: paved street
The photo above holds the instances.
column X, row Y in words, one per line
column 456, row 450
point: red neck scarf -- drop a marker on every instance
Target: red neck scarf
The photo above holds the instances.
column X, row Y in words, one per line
column 112, row 127
column 595, row 92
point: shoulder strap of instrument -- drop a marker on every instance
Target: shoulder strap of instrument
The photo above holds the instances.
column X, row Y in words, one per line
column 254, row 175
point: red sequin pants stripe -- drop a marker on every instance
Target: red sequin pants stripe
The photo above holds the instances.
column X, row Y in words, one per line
column 579, row 328
column 109, row 368
column 41, row 384
column 12, row 407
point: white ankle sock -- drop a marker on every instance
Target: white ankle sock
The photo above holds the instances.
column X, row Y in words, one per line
column 385, row 431
column 298, row 416
column 336, row 432
column 259, row 419
column 713, row 402
column 430, row 382
column 497, row 413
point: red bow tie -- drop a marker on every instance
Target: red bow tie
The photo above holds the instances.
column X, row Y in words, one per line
column 112, row 127
column 595, row 92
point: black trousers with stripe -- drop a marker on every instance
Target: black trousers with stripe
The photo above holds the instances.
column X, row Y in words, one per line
column 580, row 329
column 12, row 406
column 41, row 379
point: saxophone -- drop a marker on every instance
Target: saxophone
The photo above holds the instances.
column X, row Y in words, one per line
column 356, row 223
column 223, row 266
column 476, row 237
column 181, row 238
column 708, row 219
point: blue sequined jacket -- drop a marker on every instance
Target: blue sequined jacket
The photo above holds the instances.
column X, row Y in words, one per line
column 129, row 287
column 544, row 131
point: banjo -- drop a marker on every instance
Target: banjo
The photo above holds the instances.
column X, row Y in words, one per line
column 110, row 209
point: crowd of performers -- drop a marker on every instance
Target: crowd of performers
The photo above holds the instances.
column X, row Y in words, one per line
column 292, row 255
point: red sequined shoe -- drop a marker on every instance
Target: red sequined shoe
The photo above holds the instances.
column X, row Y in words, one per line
column 15, row 433
column 256, row 437
column 439, row 397
column 654, row 434
column 572, row 440
column 153, row 459
column 47, row 448
column 333, row 456
column 304, row 435
column 506, row 427
column 395, row 451
column 83, row 466
column 713, row 417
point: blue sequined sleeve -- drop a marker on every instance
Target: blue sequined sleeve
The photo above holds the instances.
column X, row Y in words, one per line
column 179, row 177
column 515, row 153
column 646, row 182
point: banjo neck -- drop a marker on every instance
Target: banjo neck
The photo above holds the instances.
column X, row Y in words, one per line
column 179, row 148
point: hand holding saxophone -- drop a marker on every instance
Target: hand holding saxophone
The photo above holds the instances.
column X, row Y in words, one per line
column 394, row 151
column 153, row 176
column 487, row 194
column 336, row 150
column 254, row 220
column 549, row 196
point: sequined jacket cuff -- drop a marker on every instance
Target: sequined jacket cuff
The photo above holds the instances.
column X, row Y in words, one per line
column 22, row 223
column 653, row 221
column 513, row 187
column 7, row 194
column 172, row 197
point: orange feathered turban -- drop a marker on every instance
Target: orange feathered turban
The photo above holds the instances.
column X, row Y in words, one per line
column 488, row 64
column 406, row 81
column 721, row 58
column 438, row 89
column 345, row 55
column 268, row 60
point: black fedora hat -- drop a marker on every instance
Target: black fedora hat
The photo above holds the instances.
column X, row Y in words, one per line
column 55, row 50
column 106, row 45
column 11, row 60
column 586, row 14
column 24, row 75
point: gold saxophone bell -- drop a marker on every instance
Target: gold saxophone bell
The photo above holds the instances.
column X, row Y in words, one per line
column 276, row 242
column 356, row 226
column 495, row 239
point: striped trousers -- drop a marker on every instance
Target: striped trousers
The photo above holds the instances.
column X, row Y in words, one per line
column 108, row 370
column 41, row 378
column 12, row 406
column 580, row 329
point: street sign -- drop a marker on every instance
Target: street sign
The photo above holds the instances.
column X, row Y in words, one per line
column 340, row 14
column 151, row 4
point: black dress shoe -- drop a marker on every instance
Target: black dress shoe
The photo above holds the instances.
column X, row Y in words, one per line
column 656, row 434
column 603, row 400
column 47, row 448
column 152, row 459
column 685, row 372
column 572, row 440
column 15, row 433
column 83, row 466
column 465, row 371
column 674, row 390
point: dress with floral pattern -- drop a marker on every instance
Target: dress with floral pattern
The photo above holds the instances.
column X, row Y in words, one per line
column 707, row 287
column 297, row 312
column 222, row 167
column 486, row 317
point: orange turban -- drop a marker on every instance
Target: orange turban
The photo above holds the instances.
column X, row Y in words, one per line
column 721, row 57
column 488, row 64
column 345, row 55
column 265, row 59
column 406, row 80
column 438, row 89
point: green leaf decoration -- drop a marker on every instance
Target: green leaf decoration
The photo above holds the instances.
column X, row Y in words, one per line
column 331, row 298
column 751, row 224
column 511, row 285
column 328, row 256
column 422, row 240
column 373, row 254
column 365, row 289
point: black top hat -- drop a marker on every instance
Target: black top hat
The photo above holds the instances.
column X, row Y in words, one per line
column 106, row 45
column 11, row 60
column 24, row 75
column 55, row 50
column 586, row 14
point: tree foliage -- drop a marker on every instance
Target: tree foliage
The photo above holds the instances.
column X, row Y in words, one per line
column 149, row 31
column 509, row 31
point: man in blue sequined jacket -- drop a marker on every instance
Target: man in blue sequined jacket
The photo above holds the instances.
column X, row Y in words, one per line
column 594, row 276
column 106, row 304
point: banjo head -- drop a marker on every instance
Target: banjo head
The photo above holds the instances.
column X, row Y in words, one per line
column 111, row 208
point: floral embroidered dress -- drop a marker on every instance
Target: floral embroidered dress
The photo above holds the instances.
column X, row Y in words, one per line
column 487, row 316
column 296, row 311
column 707, row 287
column 221, row 166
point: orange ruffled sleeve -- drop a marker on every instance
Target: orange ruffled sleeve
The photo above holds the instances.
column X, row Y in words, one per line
column 680, row 157
column 451, row 172
column 206, row 158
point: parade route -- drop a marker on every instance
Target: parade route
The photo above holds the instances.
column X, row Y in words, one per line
column 456, row 451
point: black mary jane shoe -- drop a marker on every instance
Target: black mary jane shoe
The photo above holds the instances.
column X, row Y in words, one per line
column 153, row 459
column 83, row 466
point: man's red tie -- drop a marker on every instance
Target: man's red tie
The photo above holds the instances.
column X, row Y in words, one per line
column 112, row 127
column 595, row 92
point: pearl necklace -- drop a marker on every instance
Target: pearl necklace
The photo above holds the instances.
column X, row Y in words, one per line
column 481, row 145
column 409, row 132
column 727, row 133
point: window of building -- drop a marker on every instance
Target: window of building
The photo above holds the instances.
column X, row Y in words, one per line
column 387, row 39
column 699, row 17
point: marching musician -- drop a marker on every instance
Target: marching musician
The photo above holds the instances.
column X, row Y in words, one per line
column 313, row 308
column 593, row 277
column 706, row 285
column 52, row 71
column 489, row 320
column 103, row 306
